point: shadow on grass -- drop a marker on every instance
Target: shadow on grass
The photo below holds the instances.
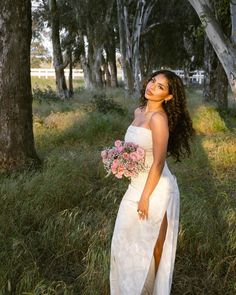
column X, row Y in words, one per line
column 205, row 261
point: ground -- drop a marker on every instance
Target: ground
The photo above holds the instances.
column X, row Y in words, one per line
column 57, row 222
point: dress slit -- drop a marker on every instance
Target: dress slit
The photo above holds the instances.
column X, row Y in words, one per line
column 149, row 283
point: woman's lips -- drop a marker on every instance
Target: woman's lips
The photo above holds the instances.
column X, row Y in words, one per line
column 148, row 92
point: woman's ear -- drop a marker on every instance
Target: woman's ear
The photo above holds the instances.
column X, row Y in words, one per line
column 169, row 97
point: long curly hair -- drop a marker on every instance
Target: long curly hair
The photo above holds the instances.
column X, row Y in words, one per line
column 181, row 130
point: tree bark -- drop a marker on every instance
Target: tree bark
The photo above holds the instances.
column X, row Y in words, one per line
column 113, row 71
column 110, row 49
column 143, row 11
column 17, row 148
column 222, row 45
column 71, row 90
column 130, row 37
column 84, row 64
column 106, row 77
column 233, row 20
column 210, row 65
column 124, row 46
column 97, row 66
column 221, row 88
column 57, row 52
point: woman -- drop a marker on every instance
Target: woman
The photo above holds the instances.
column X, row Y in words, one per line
column 145, row 234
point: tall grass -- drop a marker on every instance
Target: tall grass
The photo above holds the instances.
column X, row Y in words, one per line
column 57, row 223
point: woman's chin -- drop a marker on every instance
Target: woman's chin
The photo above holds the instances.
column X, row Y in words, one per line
column 147, row 96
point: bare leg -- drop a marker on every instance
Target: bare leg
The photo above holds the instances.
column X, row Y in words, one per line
column 160, row 241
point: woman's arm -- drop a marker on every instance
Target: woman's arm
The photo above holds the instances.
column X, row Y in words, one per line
column 160, row 134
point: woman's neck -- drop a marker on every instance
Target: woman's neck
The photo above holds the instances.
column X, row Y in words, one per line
column 153, row 106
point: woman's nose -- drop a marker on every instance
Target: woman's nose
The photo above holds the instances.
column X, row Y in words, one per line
column 149, row 87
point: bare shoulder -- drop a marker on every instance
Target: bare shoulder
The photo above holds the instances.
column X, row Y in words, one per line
column 158, row 120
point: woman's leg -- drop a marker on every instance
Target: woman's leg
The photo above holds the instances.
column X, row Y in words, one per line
column 160, row 241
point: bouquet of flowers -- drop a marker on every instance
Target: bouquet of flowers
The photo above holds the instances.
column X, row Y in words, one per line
column 123, row 159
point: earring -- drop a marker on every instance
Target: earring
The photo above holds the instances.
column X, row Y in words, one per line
column 166, row 101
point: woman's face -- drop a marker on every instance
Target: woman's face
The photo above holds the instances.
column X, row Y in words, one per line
column 157, row 89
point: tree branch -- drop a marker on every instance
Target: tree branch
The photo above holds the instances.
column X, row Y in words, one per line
column 148, row 29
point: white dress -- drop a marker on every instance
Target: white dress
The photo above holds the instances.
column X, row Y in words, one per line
column 132, row 264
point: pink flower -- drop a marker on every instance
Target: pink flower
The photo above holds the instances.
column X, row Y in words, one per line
column 114, row 165
column 134, row 156
column 123, row 159
column 125, row 156
column 140, row 151
column 129, row 144
column 110, row 153
column 121, row 168
column 120, row 149
column 104, row 154
column 127, row 173
column 118, row 143
column 119, row 175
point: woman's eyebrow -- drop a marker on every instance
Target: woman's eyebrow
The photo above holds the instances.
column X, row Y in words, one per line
column 162, row 85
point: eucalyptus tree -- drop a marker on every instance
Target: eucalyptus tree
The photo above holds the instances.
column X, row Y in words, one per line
column 175, row 40
column 216, row 82
column 223, row 45
column 133, row 19
column 17, row 147
column 95, row 33
column 58, row 62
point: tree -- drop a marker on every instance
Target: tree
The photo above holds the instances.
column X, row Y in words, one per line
column 94, row 24
column 132, row 20
column 16, row 132
column 39, row 54
column 58, row 63
column 224, row 47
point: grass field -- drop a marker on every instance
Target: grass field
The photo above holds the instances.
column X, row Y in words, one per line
column 57, row 222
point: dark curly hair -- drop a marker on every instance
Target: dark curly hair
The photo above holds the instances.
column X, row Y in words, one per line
column 181, row 130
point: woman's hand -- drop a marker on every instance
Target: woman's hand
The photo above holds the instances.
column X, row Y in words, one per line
column 142, row 209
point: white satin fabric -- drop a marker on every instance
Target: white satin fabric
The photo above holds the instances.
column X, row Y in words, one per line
column 132, row 264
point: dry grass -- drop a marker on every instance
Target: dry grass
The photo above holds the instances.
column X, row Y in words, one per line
column 56, row 224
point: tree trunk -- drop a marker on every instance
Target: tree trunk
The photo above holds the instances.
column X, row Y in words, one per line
column 110, row 49
column 106, row 77
column 97, row 66
column 222, row 45
column 233, row 20
column 87, row 73
column 17, row 148
column 130, row 40
column 146, row 64
column 84, row 64
column 57, row 53
column 210, row 65
column 136, row 45
column 186, row 78
column 71, row 90
column 113, row 72
column 221, row 88
column 124, row 46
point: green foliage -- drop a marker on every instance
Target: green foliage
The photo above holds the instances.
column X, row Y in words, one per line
column 46, row 94
column 57, row 223
column 105, row 105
